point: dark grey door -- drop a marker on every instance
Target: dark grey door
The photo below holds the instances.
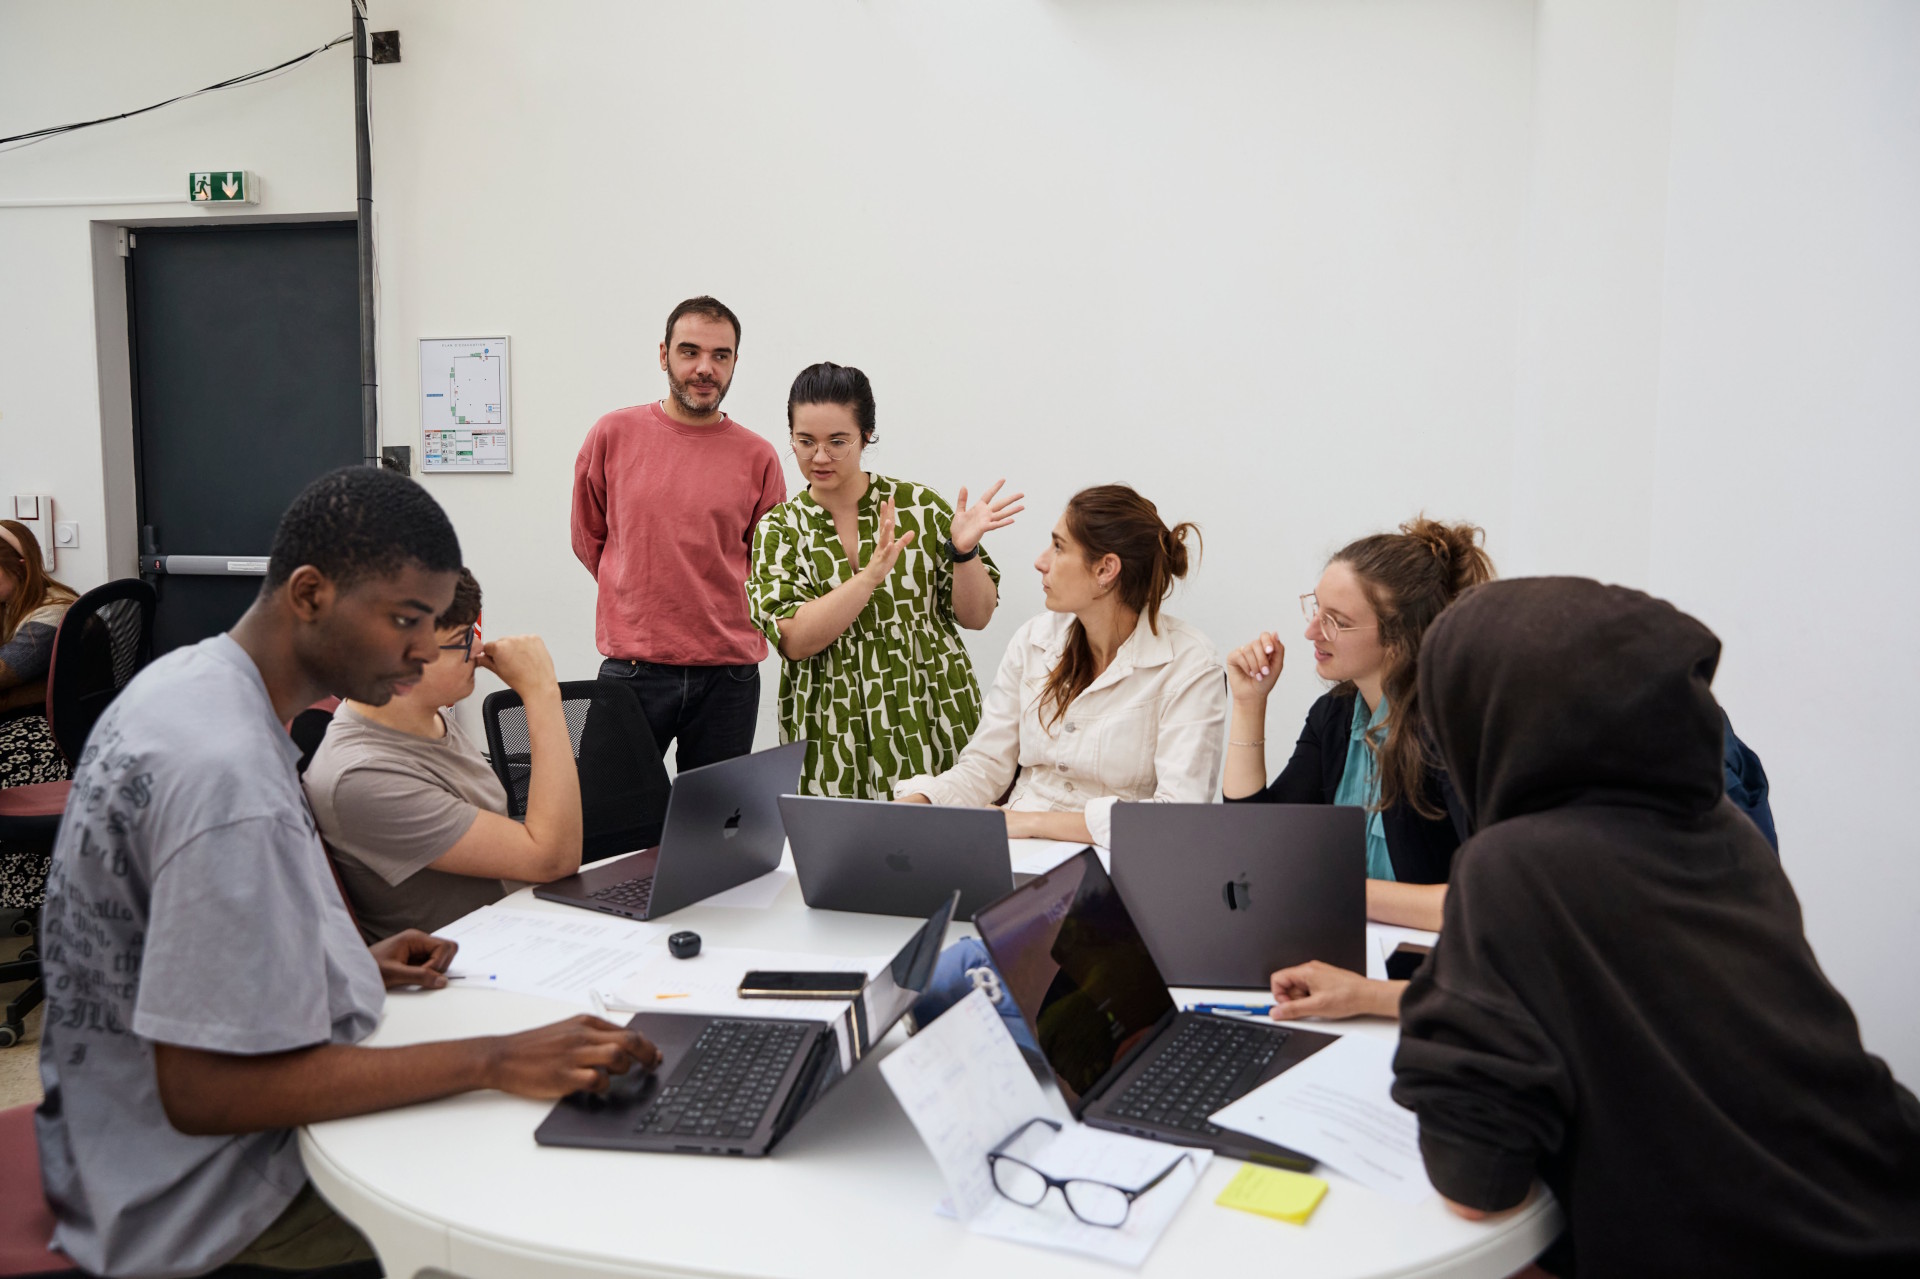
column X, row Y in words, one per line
column 246, row 385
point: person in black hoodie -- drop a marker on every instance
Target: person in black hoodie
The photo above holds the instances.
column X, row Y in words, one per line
column 1623, row 1003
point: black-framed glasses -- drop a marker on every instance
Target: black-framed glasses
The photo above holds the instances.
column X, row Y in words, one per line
column 463, row 645
column 1098, row 1203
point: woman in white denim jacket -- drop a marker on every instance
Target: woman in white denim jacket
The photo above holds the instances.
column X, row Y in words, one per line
column 1101, row 699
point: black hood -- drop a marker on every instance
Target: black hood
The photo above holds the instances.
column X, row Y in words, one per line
column 1549, row 691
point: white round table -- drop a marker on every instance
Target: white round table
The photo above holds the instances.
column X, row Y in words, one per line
column 460, row 1186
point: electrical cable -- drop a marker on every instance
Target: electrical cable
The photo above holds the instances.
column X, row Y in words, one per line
column 41, row 135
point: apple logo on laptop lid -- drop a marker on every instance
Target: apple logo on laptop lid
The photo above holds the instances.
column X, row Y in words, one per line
column 732, row 826
column 1238, row 894
column 900, row 862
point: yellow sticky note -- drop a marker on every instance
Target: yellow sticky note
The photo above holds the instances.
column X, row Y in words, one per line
column 1274, row 1192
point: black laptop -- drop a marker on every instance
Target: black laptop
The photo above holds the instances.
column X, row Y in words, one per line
column 1125, row 1056
column 722, row 829
column 896, row 859
column 737, row 1085
column 1227, row 894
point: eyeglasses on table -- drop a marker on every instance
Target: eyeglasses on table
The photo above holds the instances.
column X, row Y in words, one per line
column 1097, row 1203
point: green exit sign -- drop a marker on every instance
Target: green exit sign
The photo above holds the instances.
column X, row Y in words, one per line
column 232, row 187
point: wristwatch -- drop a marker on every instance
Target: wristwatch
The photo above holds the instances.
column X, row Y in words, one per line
column 953, row 553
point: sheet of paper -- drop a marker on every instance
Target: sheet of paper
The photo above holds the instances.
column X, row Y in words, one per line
column 1111, row 1157
column 1274, row 1192
column 1384, row 937
column 755, row 894
column 1038, row 856
column 710, row 983
column 562, row 955
column 965, row 1086
column 1336, row 1106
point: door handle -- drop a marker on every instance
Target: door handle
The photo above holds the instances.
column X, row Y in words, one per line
column 205, row 565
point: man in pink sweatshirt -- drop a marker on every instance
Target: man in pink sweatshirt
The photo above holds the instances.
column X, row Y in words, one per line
column 665, row 497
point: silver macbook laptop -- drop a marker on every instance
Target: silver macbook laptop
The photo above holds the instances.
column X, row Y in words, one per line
column 722, row 829
column 1226, row 894
column 895, row 859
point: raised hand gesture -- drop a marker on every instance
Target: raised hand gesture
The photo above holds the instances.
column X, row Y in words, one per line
column 886, row 548
column 971, row 523
column 1253, row 669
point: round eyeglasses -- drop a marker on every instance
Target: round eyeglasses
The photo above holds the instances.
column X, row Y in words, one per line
column 835, row 449
column 1330, row 629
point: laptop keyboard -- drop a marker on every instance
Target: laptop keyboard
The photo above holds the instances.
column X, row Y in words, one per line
column 634, row 893
column 736, row 1067
column 1194, row 1074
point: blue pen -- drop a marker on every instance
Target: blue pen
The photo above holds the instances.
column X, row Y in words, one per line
column 1253, row 1010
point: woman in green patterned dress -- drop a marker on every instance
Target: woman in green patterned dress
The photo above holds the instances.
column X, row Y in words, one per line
column 862, row 582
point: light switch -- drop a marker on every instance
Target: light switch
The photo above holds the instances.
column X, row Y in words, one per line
column 66, row 534
column 26, row 508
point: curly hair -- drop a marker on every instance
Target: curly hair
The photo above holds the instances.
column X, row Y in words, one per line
column 465, row 609
column 360, row 522
column 1409, row 577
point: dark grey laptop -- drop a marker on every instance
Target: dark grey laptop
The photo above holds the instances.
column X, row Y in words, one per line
column 1226, row 894
column 1125, row 1056
column 895, row 859
column 722, row 829
column 737, row 1085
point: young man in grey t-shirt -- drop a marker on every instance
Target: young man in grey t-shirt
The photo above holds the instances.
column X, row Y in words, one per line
column 205, row 987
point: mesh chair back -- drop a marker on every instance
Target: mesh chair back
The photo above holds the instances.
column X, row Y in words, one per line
column 623, row 783
column 105, row 639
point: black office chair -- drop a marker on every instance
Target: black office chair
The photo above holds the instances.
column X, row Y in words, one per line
column 104, row 640
column 623, row 783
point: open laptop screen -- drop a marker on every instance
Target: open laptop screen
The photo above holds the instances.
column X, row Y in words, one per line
column 1079, row 969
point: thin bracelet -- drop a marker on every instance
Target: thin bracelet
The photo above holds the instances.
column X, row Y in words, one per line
column 1258, row 742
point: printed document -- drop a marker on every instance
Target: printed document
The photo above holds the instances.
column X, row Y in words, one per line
column 1336, row 1106
column 547, row 953
column 966, row 1088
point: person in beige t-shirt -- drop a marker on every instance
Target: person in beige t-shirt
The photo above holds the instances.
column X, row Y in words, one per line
column 412, row 811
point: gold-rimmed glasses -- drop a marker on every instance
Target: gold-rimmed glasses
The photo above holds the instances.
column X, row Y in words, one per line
column 837, row 450
column 1330, row 629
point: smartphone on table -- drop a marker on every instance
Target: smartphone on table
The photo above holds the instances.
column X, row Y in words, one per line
column 766, row 984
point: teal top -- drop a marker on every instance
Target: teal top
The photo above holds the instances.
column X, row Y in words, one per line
column 1360, row 785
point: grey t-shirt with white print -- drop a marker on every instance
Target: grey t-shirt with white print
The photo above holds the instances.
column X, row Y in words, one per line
column 189, row 903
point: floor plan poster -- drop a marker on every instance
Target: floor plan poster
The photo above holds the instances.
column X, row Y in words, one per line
column 465, row 423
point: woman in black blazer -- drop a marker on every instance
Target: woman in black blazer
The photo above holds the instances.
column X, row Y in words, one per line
column 1364, row 742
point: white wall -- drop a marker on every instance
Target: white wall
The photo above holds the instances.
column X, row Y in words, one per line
column 1783, row 502
column 86, row 58
column 1627, row 281
column 1070, row 244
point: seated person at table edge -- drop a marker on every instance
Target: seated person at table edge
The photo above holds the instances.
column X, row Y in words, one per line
column 31, row 606
column 414, row 814
column 205, row 988
column 1090, row 705
column 1623, row 1003
column 1364, row 742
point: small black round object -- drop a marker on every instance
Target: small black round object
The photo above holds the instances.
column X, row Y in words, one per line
column 684, row 945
